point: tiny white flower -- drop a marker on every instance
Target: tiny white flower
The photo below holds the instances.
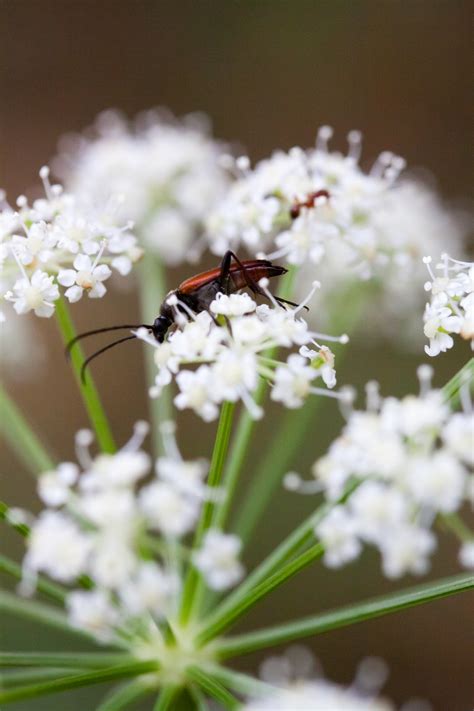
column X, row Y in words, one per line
column 94, row 612
column 37, row 294
column 151, row 589
column 169, row 510
column 54, row 487
column 57, row 547
column 338, row 534
column 217, row 560
column 407, row 551
column 466, row 555
column 293, row 382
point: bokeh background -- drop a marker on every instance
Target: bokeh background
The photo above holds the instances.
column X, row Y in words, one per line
column 268, row 74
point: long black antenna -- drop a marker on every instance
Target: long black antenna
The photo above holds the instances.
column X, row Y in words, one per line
column 102, row 330
column 98, row 353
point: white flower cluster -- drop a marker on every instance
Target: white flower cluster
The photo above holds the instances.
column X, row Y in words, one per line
column 297, row 675
column 60, row 240
column 411, row 462
column 99, row 524
column 169, row 172
column 233, row 355
column 316, row 207
column 451, row 309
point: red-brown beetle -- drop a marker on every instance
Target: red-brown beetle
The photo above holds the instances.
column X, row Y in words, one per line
column 196, row 294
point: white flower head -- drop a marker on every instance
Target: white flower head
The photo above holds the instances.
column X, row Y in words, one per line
column 168, row 173
column 218, row 561
column 61, row 240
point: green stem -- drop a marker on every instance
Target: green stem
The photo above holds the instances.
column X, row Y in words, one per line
column 241, row 683
column 166, row 698
column 220, row 622
column 293, row 543
column 193, row 585
column 245, row 428
column 198, row 698
column 39, row 612
column 152, row 292
column 79, row 660
column 295, row 426
column 125, row 695
column 352, row 614
column 77, row 680
column 51, row 590
column 31, row 676
column 22, row 439
column 451, row 391
column 20, row 528
column 213, row 687
column 88, row 389
column 455, row 523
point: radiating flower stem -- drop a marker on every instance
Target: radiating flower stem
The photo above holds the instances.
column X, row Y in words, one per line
column 152, row 283
column 352, row 614
column 74, row 681
column 213, row 687
column 166, row 698
column 79, row 660
column 198, row 698
column 44, row 614
column 245, row 427
column 294, row 426
column 89, row 393
column 124, row 695
column 31, row 676
column 193, row 584
column 52, row 590
column 239, row 682
column 453, row 387
column 223, row 620
column 22, row 439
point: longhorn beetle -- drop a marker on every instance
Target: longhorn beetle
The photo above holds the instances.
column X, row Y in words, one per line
column 196, row 294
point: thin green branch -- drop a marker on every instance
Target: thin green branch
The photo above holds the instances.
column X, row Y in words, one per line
column 343, row 617
column 52, row 590
column 239, row 682
column 88, row 389
column 199, row 699
column 79, row 660
column 21, row 437
column 166, row 698
column 125, row 695
column 213, row 687
column 194, row 584
column 452, row 390
column 293, row 427
column 20, row 528
column 75, row 681
column 245, row 428
column 152, row 284
column 222, row 621
column 39, row 612
column 293, row 543
column 31, row 676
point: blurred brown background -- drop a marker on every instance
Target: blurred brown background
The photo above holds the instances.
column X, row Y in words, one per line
column 268, row 73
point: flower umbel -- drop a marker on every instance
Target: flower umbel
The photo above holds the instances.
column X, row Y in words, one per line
column 61, row 240
column 231, row 346
column 411, row 460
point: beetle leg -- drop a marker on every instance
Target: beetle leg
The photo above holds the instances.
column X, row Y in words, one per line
column 224, row 278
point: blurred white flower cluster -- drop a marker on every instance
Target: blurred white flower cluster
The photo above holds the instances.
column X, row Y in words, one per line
column 169, row 172
column 103, row 525
column 60, row 241
column 451, row 309
column 233, row 355
column 300, row 686
column 412, row 462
